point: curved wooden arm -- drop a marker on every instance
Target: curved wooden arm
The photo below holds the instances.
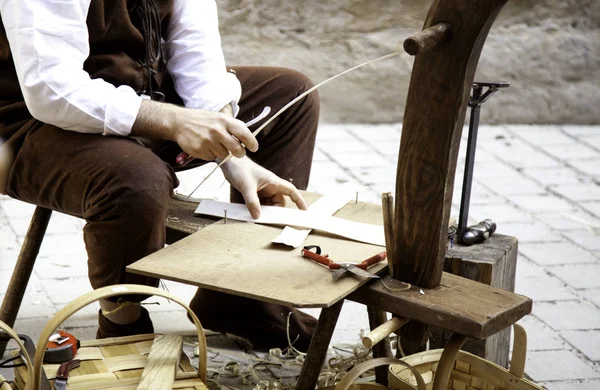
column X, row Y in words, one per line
column 433, row 120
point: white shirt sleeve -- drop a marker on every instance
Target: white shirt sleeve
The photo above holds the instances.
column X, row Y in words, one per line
column 195, row 58
column 49, row 44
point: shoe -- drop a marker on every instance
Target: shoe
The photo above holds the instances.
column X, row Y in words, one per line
column 107, row 328
column 263, row 324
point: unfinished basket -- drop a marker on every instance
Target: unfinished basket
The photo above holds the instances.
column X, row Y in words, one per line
column 134, row 362
column 469, row 372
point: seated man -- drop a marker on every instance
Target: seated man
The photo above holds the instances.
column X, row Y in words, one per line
column 98, row 97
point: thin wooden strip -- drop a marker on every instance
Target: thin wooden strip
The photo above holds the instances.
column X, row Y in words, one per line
column 116, row 340
column 495, row 375
column 188, row 383
column 519, row 355
column 328, row 204
column 182, row 375
column 185, row 365
column 125, row 362
column 87, row 381
column 126, row 374
column 143, row 347
column 89, row 353
column 387, row 202
column 119, row 350
column 272, row 215
column 114, row 383
column 461, row 376
column 163, row 361
column 50, row 370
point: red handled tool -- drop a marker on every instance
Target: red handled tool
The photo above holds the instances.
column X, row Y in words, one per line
column 341, row 269
column 62, row 374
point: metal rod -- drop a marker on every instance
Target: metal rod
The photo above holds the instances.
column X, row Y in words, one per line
column 469, row 163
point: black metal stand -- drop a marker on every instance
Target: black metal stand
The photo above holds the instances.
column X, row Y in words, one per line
column 477, row 99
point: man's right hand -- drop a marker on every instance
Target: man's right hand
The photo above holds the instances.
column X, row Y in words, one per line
column 202, row 134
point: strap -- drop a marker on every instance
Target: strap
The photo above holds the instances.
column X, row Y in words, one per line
column 363, row 367
column 8, row 330
column 107, row 292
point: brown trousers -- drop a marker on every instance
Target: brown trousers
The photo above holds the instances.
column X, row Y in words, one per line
column 121, row 188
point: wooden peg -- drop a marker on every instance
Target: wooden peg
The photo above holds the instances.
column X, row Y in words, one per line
column 383, row 331
column 426, row 39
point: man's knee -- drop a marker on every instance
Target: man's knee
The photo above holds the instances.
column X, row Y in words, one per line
column 299, row 83
column 139, row 188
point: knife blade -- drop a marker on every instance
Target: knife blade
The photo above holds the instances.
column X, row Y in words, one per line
column 338, row 273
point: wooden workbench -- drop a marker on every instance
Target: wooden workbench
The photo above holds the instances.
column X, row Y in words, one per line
column 460, row 305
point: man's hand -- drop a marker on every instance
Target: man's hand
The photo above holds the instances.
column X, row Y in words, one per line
column 259, row 185
column 202, row 134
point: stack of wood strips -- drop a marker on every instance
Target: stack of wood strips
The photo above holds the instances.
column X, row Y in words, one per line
column 134, row 362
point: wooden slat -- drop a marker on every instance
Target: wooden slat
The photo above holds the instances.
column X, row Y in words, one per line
column 89, row 353
column 238, row 258
column 125, row 362
column 461, row 305
column 163, row 362
column 116, row 340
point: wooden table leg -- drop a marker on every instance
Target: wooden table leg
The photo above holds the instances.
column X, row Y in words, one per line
column 317, row 352
column 383, row 348
column 22, row 272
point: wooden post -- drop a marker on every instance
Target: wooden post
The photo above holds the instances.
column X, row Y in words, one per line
column 433, row 120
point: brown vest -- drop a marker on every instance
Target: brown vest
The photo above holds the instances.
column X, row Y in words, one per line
column 117, row 55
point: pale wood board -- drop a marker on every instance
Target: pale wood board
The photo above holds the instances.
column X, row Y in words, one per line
column 238, row 258
column 163, row 361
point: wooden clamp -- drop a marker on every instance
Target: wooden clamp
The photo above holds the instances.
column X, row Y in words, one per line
column 383, row 331
column 428, row 38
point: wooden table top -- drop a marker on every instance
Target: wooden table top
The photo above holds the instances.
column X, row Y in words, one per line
column 459, row 304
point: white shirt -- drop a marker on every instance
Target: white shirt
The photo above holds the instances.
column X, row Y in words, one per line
column 49, row 44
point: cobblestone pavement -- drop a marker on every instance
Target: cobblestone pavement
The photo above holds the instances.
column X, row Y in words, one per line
column 539, row 183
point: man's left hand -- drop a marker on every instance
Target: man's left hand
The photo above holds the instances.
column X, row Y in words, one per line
column 259, row 185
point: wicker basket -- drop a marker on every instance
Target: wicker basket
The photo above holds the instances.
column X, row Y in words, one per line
column 469, row 372
column 456, row 370
column 114, row 362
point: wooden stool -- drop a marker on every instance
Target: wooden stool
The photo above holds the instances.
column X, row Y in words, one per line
column 33, row 241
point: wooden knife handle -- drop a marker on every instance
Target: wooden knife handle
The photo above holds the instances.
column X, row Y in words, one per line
column 319, row 259
column 372, row 260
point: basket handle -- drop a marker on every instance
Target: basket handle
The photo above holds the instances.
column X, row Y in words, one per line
column 107, row 292
column 363, row 367
column 519, row 355
column 9, row 331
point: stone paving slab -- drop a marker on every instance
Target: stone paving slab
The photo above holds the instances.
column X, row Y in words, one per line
column 556, row 253
column 540, row 183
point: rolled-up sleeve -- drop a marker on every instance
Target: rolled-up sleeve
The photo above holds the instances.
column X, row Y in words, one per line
column 49, row 44
column 195, row 58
